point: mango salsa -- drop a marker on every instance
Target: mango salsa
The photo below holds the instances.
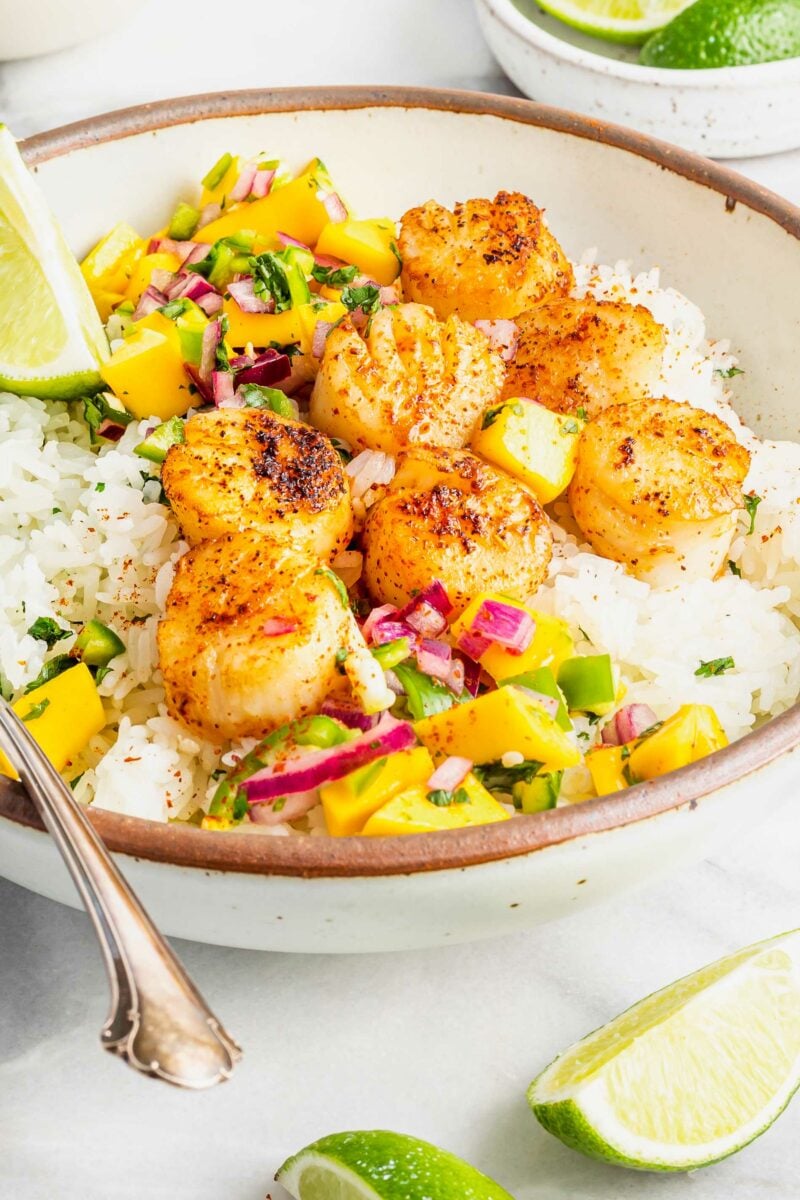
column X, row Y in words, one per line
column 294, row 209
column 535, row 445
column 691, row 733
column 412, row 812
column 294, row 326
column 349, row 803
column 64, row 714
column 366, row 244
column 146, row 373
column 483, row 730
column 143, row 270
column 607, row 768
column 551, row 644
column 108, row 267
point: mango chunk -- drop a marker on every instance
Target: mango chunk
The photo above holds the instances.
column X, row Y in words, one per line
column 146, row 373
column 109, row 265
column 294, row 209
column 484, row 729
column 693, row 732
column 535, row 445
column 607, row 768
column 294, row 326
column 366, row 244
column 349, row 803
column 412, row 812
column 143, row 270
column 552, row 642
column 65, row 713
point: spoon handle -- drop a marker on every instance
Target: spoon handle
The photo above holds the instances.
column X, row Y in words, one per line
column 158, row 1022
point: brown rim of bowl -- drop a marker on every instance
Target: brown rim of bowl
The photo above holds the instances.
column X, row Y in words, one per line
column 309, row 857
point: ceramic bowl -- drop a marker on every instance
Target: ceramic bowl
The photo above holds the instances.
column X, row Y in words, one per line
column 734, row 248
column 728, row 112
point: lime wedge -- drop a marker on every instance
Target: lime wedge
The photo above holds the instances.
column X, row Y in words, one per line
column 377, row 1165
column 727, row 33
column 615, row 20
column 689, row 1075
column 51, row 339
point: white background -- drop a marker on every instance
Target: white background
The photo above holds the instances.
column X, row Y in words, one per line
column 439, row 1043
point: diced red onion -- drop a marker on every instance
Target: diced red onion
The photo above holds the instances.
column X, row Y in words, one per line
column 433, row 658
column 110, row 430
column 389, row 630
column 349, row 715
column 151, row 299
column 548, row 703
column 503, row 336
column 377, row 615
column 222, row 386
column 309, row 771
column 212, row 335
column 203, row 385
column 334, row 207
column 628, row 724
column 241, row 189
column 162, row 280
column 294, row 807
column 505, row 625
column 327, row 260
column 393, row 683
column 211, row 303
column 390, row 295
column 240, row 361
column 450, row 774
column 198, row 251
column 189, row 285
column 262, row 183
column 237, row 400
column 269, row 368
column 211, row 212
column 276, row 626
column 320, row 336
column 456, row 676
column 473, row 646
column 427, row 612
column 242, row 292
column 472, row 676
column 286, row 239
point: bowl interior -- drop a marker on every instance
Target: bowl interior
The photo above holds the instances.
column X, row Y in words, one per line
column 618, row 51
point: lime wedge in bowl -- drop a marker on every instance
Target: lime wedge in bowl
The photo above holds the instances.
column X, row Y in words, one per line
column 615, row 20
column 378, row 1165
column 689, row 1075
column 727, row 33
column 51, row 338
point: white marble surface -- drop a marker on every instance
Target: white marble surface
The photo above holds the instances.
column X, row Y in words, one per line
column 437, row 1043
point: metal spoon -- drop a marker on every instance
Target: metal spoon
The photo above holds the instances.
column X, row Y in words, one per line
column 159, row 1023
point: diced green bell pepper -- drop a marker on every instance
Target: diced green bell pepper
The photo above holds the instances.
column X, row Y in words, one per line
column 588, row 683
column 392, row 653
column 97, row 644
column 183, row 223
column 544, row 681
column 319, row 731
column 539, row 794
column 155, row 447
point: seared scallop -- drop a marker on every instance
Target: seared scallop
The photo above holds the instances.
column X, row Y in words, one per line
column 449, row 516
column 248, row 468
column 410, row 378
column 658, row 487
column 254, row 636
column 586, row 354
column 487, row 259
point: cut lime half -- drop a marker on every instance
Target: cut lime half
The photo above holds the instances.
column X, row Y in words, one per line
column 378, row 1165
column 615, row 20
column 689, row 1075
column 51, row 338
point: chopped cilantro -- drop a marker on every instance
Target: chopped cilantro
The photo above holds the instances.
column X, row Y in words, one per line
column 734, row 570
column 728, row 372
column 751, row 503
column 443, row 799
column 491, row 414
column 99, row 487
column 52, row 668
column 495, row 777
column 55, row 511
column 715, row 666
column 585, row 635
column 344, row 452
column 424, row 696
column 240, row 806
column 341, row 590
column 333, row 276
column 581, row 414
column 37, row 710
column 342, row 654
column 395, row 252
column 570, row 427
column 45, row 629
column 367, row 298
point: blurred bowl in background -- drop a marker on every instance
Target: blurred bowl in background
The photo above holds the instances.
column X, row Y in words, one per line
column 726, row 112
column 42, row 26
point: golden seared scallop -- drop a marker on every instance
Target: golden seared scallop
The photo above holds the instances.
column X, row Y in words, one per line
column 252, row 637
column 410, row 378
column 248, row 468
column 449, row 516
column 658, row 486
column 586, row 354
column 487, row 259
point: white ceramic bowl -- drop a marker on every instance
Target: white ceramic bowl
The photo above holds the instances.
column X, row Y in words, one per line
column 731, row 246
column 43, row 26
column 729, row 112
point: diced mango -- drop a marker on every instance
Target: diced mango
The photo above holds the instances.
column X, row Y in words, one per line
column 311, row 316
column 484, row 729
column 70, row 713
column 607, row 768
column 142, row 272
column 551, row 644
column 296, row 325
column 693, row 732
column 109, row 265
column 349, row 803
column 535, row 445
column 146, row 373
column 158, row 323
column 367, row 244
column 412, row 812
column 294, row 209
column 220, row 190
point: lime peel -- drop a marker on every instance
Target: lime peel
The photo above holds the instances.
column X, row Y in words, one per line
column 628, row 21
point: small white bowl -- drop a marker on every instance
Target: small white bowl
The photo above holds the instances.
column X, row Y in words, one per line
column 726, row 112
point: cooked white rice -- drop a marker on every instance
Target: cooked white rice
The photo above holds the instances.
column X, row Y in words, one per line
column 73, row 551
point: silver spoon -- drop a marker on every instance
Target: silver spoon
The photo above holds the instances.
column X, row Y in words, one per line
column 159, row 1023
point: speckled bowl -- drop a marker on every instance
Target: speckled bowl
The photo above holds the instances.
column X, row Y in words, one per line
column 734, row 248
column 729, row 112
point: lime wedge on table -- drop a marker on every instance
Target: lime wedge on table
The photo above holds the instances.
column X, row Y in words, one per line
column 615, row 20
column 377, row 1165
column 51, row 339
column 727, row 33
column 689, row 1075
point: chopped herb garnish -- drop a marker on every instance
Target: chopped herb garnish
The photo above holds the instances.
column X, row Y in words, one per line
column 37, row 710
column 239, row 811
column 395, row 252
column 99, row 487
column 341, row 590
column 290, row 349
column 344, row 452
column 592, row 717
column 424, row 696
column 52, row 668
column 585, row 635
column 333, row 276
column 715, row 666
column 734, row 570
column 728, row 372
column 498, row 778
column 342, row 654
column 443, row 799
column 751, row 503
column 278, row 806
column 257, row 395
column 570, row 427
column 45, row 629
column 73, row 783
column 55, row 511
column 491, row 414
column 280, row 275
column 100, row 408
column 367, row 298
column 581, row 414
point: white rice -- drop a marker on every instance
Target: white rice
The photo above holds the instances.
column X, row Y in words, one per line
column 110, row 554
